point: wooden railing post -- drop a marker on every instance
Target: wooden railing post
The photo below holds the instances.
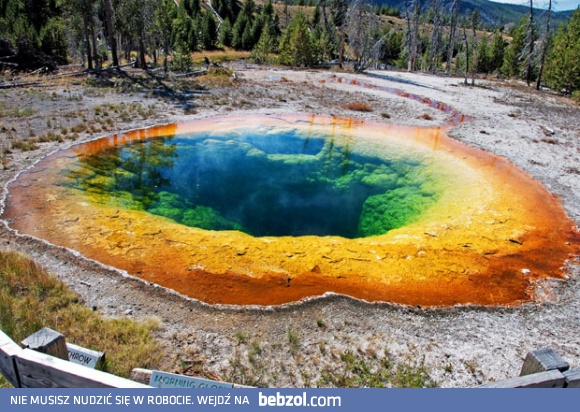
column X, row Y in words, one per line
column 543, row 360
column 8, row 351
column 47, row 341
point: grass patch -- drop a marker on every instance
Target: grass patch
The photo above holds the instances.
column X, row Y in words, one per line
column 357, row 371
column 358, row 107
column 239, row 371
column 31, row 299
column 25, row 145
column 21, row 112
column 217, row 77
column 241, row 337
column 79, row 128
column 294, row 341
column 50, row 137
column 219, row 56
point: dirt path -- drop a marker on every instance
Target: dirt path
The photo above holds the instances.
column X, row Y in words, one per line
column 320, row 342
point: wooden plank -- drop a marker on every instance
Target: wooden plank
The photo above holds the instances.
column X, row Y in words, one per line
column 543, row 360
column 86, row 357
column 572, row 378
column 38, row 370
column 144, row 376
column 548, row 379
column 47, row 341
column 161, row 379
column 8, row 350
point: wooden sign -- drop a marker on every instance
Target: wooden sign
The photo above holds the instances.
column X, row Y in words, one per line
column 171, row 380
column 86, row 357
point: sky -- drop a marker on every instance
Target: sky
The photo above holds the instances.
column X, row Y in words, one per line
column 557, row 5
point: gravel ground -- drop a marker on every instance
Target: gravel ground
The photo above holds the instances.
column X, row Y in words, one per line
column 313, row 343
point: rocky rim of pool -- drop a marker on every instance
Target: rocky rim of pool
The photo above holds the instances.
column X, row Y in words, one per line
column 434, row 222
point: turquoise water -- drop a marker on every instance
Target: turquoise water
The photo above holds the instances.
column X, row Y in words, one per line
column 261, row 182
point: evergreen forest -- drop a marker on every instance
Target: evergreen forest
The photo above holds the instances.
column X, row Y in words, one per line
column 433, row 36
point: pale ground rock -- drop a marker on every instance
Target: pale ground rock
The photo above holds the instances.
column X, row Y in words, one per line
column 297, row 344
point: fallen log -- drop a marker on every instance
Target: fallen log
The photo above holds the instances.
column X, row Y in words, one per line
column 190, row 74
column 14, row 85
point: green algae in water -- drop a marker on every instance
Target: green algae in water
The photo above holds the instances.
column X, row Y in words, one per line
column 262, row 183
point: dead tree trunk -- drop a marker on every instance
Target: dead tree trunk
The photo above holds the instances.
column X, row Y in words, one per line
column 88, row 47
column 435, row 36
column 142, row 61
column 529, row 49
column 466, row 40
column 452, row 29
column 412, row 11
column 474, row 24
column 110, row 32
column 165, row 54
column 340, row 17
column 324, row 16
column 544, row 46
column 362, row 22
column 96, row 57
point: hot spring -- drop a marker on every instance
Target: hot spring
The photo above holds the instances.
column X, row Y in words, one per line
column 267, row 210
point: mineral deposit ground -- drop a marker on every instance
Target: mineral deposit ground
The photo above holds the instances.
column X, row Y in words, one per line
column 335, row 340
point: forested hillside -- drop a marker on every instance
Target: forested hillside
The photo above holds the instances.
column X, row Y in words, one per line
column 493, row 15
column 430, row 36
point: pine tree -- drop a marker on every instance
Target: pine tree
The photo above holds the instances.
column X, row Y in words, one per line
column 192, row 7
column 238, row 31
column 511, row 66
column 225, row 36
column 208, row 31
column 316, row 15
column 392, row 46
column 257, row 29
column 264, row 47
column 184, row 31
column 563, row 67
column 496, row 52
column 249, row 8
column 268, row 9
column 164, row 16
column 247, row 37
column 234, row 8
column 53, row 40
column 325, row 45
column 483, row 56
column 297, row 46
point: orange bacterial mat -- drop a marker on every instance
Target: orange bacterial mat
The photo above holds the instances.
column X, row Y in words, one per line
column 492, row 231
